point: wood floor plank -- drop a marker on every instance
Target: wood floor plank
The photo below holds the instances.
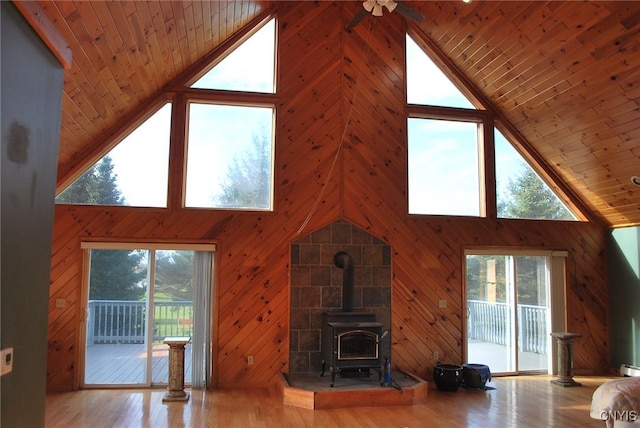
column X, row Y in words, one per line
column 519, row 401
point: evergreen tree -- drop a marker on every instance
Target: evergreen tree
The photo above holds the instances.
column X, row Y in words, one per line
column 248, row 180
column 96, row 187
column 528, row 197
column 117, row 275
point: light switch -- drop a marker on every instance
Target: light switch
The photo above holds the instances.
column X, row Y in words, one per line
column 6, row 361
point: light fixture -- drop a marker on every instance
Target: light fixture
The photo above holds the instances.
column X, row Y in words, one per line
column 635, row 180
column 389, row 4
column 375, row 6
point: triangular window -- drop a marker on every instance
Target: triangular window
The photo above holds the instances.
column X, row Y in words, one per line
column 520, row 191
column 249, row 68
column 427, row 84
column 134, row 173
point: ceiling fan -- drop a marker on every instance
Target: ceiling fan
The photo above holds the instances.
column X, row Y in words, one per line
column 375, row 7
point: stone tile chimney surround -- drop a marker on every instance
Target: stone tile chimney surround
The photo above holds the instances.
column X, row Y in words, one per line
column 316, row 287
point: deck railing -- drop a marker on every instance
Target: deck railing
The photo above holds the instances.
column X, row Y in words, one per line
column 488, row 322
column 124, row 321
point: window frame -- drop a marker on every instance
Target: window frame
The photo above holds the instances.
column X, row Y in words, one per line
column 225, row 98
column 486, row 166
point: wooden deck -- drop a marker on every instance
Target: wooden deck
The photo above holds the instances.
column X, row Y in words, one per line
column 495, row 356
column 124, row 364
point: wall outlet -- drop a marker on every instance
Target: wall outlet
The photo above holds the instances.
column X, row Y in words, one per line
column 61, row 303
column 6, row 361
column 442, row 303
column 250, row 360
column 435, row 355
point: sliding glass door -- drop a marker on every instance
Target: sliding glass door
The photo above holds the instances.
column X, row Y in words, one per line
column 508, row 311
column 136, row 297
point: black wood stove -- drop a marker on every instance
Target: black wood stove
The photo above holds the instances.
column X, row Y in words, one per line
column 351, row 341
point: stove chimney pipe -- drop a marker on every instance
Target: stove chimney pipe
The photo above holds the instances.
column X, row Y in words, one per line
column 344, row 261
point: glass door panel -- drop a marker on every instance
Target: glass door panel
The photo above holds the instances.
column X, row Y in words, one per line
column 532, row 278
column 116, row 339
column 173, row 309
column 490, row 319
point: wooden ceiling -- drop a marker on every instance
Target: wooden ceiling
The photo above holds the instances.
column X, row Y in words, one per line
column 564, row 74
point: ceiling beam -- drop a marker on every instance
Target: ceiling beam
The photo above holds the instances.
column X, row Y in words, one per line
column 34, row 15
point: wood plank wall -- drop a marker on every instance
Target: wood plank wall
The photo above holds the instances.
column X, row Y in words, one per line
column 319, row 68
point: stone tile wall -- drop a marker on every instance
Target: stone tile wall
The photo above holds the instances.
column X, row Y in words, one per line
column 316, row 286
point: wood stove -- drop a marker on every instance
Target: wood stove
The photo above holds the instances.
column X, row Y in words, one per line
column 351, row 344
column 351, row 341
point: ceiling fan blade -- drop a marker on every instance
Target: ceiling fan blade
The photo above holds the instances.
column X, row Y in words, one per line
column 356, row 19
column 409, row 12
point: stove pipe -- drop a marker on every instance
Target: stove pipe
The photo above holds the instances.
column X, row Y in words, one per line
column 344, row 261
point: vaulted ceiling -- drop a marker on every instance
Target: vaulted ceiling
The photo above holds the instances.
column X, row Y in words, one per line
column 564, row 74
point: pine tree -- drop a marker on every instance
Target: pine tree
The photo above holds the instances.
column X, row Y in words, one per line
column 96, row 187
column 528, row 197
column 117, row 275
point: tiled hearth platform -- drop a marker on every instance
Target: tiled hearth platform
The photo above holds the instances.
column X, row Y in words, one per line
column 312, row 391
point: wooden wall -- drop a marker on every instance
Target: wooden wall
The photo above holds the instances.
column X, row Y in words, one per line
column 322, row 85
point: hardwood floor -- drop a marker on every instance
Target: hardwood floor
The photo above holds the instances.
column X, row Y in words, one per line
column 523, row 401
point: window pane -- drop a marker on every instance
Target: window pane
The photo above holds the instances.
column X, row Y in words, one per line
column 250, row 67
column 520, row 192
column 427, row 84
column 444, row 175
column 229, row 159
column 116, row 348
column 134, row 173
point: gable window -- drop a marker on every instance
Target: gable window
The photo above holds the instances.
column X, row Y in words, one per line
column 446, row 149
column 229, row 157
column 444, row 166
column 248, row 68
column 427, row 84
column 230, row 145
column 133, row 173
column 520, row 192
column 229, row 141
column 444, row 171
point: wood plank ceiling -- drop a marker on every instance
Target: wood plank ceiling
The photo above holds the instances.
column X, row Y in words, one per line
column 566, row 75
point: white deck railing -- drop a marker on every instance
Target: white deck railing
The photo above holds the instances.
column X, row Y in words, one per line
column 488, row 322
column 124, row 321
